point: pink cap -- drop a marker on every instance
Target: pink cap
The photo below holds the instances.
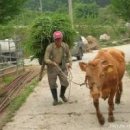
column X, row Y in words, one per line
column 57, row 34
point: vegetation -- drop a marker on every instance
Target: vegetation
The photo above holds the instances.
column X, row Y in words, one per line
column 60, row 5
column 17, row 102
column 86, row 10
column 8, row 79
column 91, row 17
column 47, row 5
column 9, row 8
column 122, row 8
column 42, row 31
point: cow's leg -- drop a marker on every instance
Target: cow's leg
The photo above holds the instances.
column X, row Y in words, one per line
column 99, row 115
column 118, row 93
column 111, row 106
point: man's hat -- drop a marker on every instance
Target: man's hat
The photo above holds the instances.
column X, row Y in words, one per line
column 57, row 34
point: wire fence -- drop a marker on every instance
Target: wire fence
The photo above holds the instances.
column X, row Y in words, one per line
column 11, row 56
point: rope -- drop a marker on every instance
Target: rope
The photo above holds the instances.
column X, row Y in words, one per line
column 69, row 78
column 80, row 84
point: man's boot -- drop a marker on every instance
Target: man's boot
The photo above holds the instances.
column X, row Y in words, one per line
column 54, row 95
column 62, row 94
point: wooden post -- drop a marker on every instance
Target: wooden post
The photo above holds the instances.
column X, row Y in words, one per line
column 70, row 11
column 41, row 71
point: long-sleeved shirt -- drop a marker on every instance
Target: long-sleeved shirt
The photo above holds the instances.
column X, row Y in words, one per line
column 55, row 54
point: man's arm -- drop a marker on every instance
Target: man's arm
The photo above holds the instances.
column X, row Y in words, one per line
column 47, row 55
column 69, row 57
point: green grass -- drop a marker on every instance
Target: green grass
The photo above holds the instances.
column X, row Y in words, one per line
column 8, row 79
column 17, row 102
column 128, row 68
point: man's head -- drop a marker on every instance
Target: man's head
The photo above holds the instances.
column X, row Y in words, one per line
column 58, row 37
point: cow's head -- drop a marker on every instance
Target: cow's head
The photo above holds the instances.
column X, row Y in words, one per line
column 96, row 73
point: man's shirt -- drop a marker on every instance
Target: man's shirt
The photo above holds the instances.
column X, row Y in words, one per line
column 55, row 54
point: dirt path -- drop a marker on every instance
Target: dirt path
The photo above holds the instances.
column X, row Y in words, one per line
column 79, row 114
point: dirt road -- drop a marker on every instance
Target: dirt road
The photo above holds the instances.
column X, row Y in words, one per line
column 37, row 113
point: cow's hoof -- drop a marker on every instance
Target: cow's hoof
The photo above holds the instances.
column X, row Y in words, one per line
column 111, row 119
column 101, row 120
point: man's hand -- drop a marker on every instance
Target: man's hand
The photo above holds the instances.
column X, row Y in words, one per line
column 54, row 63
column 69, row 66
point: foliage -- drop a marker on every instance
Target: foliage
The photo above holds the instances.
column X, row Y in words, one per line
column 14, row 32
column 6, row 32
column 18, row 101
column 9, row 8
column 114, row 31
column 103, row 2
column 8, row 79
column 107, row 17
column 63, row 24
column 99, row 2
column 59, row 5
column 41, row 34
column 24, row 18
column 105, row 22
column 86, row 10
column 122, row 8
column 47, row 5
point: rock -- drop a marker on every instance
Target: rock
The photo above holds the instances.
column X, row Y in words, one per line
column 104, row 37
column 114, row 42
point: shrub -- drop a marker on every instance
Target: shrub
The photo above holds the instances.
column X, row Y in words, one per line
column 42, row 31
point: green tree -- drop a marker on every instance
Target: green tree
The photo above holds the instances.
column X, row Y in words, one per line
column 86, row 10
column 9, row 8
column 103, row 2
column 122, row 8
column 99, row 2
column 47, row 5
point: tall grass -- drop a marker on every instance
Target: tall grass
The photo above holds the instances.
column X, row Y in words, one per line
column 8, row 79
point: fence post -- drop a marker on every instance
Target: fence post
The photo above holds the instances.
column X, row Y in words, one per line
column 1, row 60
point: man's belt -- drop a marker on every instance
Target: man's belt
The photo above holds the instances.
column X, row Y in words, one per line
column 60, row 64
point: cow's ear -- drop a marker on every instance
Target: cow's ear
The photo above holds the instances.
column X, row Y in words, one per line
column 83, row 66
column 108, row 68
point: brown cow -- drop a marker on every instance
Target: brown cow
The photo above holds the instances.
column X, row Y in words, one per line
column 104, row 76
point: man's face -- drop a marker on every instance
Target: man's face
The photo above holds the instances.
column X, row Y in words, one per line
column 58, row 42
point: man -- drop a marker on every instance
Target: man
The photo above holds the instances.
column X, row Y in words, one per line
column 58, row 59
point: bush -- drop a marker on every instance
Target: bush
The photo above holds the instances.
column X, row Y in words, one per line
column 6, row 32
column 41, row 34
column 83, row 10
